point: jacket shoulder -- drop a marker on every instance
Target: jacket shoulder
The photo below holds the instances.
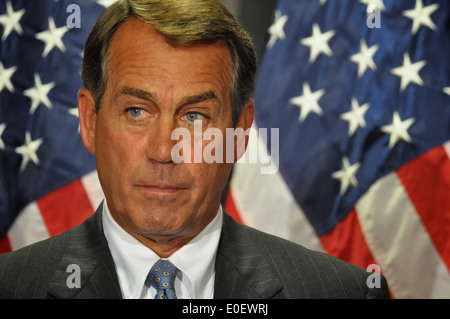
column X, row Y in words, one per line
column 28, row 271
column 24, row 272
column 312, row 274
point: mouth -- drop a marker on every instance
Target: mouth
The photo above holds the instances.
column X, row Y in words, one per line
column 161, row 188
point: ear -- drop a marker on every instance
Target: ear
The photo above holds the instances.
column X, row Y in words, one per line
column 88, row 118
column 245, row 122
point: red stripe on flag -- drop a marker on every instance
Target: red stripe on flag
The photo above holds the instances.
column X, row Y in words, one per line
column 5, row 246
column 65, row 208
column 346, row 241
column 230, row 207
column 427, row 181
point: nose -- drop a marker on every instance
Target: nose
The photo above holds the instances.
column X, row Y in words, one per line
column 160, row 143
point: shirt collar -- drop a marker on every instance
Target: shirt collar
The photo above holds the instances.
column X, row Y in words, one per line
column 133, row 259
column 197, row 258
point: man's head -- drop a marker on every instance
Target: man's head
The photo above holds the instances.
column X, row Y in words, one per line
column 149, row 68
column 183, row 23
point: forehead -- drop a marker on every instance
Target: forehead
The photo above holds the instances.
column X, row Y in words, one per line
column 141, row 54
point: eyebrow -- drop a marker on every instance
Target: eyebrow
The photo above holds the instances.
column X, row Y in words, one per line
column 144, row 95
column 148, row 96
column 194, row 99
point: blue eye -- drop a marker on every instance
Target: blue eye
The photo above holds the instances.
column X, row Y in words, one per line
column 135, row 111
column 194, row 116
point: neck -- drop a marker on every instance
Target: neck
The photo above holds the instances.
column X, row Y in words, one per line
column 162, row 246
column 165, row 244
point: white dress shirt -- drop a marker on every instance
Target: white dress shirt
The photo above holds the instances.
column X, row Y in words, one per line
column 133, row 260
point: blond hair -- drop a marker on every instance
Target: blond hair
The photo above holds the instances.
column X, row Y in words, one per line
column 183, row 23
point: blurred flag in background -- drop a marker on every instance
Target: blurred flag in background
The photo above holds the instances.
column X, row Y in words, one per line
column 48, row 181
column 360, row 93
column 358, row 90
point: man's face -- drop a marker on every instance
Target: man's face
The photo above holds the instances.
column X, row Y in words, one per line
column 152, row 89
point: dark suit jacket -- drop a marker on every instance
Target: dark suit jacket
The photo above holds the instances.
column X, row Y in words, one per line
column 249, row 264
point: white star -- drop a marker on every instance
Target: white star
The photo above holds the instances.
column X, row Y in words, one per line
column 52, row 37
column 10, row 20
column 39, row 93
column 447, row 90
column 106, row 3
column 276, row 30
column 371, row 4
column 318, row 42
column 74, row 111
column 5, row 77
column 28, row 150
column 355, row 117
column 398, row 129
column 2, row 129
column 347, row 175
column 409, row 72
column 308, row 102
column 421, row 16
column 364, row 58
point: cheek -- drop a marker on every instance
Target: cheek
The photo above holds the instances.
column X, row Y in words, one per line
column 114, row 152
column 213, row 170
column 210, row 179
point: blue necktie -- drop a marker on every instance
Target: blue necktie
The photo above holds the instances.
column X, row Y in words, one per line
column 162, row 277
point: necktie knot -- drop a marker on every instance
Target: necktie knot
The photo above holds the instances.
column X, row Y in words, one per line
column 162, row 277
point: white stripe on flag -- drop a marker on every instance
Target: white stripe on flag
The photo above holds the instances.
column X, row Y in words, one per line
column 441, row 285
column 271, row 209
column 93, row 189
column 399, row 242
column 447, row 148
column 28, row 228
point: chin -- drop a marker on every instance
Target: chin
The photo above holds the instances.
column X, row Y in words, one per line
column 159, row 222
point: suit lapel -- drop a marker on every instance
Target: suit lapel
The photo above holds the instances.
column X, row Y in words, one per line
column 242, row 269
column 88, row 253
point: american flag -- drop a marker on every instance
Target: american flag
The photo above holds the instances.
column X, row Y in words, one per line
column 48, row 181
column 360, row 93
